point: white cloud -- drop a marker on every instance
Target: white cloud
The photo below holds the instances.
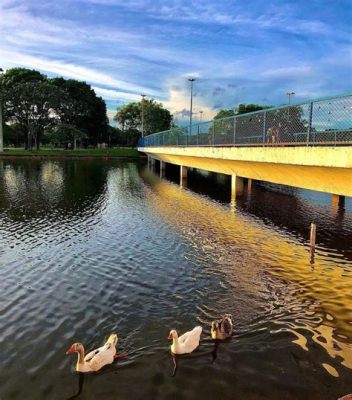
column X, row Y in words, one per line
column 109, row 94
column 289, row 72
column 13, row 58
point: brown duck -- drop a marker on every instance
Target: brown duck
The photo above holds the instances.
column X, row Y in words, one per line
column 222, row 328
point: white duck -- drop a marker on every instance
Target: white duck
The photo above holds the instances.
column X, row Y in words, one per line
column 96, row 359
column 186, row 343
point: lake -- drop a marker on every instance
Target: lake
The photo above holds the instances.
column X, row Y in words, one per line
column 88, row 248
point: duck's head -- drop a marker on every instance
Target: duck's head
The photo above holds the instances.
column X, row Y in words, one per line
column 214, row 328
column 75, row 348
column 228, row 316
column 113, row 339
column 172, row 334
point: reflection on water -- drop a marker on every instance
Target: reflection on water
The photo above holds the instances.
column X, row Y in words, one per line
column 88, row 248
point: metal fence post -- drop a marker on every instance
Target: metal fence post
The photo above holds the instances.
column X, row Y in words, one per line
column 264, row 126
column 310, row 122
column 234, row 130
column 213, row 133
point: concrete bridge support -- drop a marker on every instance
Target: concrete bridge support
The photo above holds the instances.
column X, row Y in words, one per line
column 338, row 201
column 183, row 176
column 237, row 185
column 151, row 162
column 162, row 169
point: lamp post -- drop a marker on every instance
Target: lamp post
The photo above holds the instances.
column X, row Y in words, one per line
column 289, row 94
column 143, row 96
column 191, row 107
column 1, row 127
column 201, row 115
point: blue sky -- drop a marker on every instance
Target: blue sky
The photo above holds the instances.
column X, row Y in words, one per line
column 239, row 51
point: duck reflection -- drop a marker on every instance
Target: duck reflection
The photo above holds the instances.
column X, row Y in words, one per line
column 80, row 386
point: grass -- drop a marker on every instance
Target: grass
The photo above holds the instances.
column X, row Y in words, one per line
column 45, row 152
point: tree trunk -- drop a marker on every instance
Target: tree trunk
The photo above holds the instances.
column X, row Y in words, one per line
column 37, row 138
column 26, row 137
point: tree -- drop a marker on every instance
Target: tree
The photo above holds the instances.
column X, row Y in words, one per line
column 156, row 118
column 65, row 133
column 8, row 81
column 83, row 109
column 35, row 106
column 33, row 103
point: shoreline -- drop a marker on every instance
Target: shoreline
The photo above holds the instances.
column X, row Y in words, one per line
column 90, row 154
column 68, row 157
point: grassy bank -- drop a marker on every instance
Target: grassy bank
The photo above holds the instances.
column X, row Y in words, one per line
column 114, row 152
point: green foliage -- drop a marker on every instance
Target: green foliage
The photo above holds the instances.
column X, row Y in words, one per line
column 156, row 118
column 224, row 114
column 83, row 109
column 34, row 105
column 247, row 108
column 65, row 134
column 16, row 76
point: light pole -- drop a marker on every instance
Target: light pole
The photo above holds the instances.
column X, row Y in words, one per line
column 201, row 115
column 289, row 94
column 191, row 107
column 1, row 127
column 143, row 96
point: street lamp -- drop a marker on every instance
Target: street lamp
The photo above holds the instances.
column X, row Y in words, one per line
column 1, row 127
column 190, row 111
column 143, row 96
column 289, row 94
column 201, row 115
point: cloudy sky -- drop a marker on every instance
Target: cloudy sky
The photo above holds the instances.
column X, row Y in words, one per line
column 239, row 50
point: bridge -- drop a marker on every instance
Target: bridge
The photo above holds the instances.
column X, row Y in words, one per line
column 307, row 145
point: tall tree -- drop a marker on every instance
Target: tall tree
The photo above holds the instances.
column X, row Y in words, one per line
column 8, row 82
column 83, row 109
column 155, row 117
column 35, row 106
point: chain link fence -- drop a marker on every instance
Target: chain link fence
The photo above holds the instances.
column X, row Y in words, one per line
column 319, row 122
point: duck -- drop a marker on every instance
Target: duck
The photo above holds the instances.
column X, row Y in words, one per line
column 222, row 328
column 187, row 342
column 96, row 359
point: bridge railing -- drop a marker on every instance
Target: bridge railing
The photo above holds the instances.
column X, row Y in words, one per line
column 318, row 122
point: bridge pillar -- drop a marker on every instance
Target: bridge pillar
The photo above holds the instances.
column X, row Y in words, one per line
column 236, row 186
column 151, row 162
column 183, row 175
column 337, row 201
column 249, row 185
column 162, row 169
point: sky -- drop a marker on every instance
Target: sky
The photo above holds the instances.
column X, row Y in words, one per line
column 239, row 51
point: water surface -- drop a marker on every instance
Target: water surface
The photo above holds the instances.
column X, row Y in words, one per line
column 90, row 247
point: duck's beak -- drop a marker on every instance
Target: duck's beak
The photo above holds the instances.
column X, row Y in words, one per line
column 70, row 350
column 170, row 336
